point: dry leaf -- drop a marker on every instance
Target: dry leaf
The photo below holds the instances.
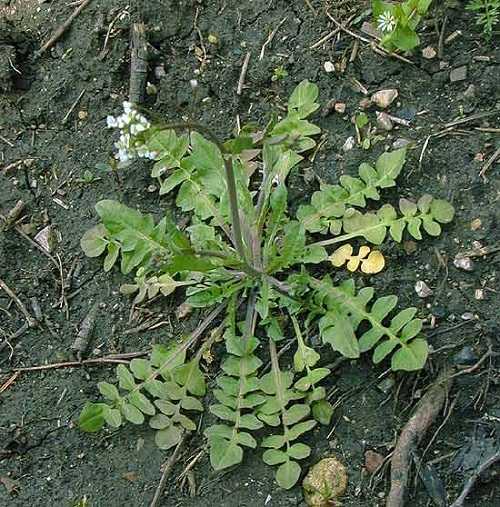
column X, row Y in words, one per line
column 340, row 255
column 374, row 263
column 10, row 485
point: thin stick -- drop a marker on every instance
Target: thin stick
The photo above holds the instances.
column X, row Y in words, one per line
column 9, row 382
column 29, row 319
column 5, row 140
column 72, row 108
column 60, row 31
column 270, row 38
column 332, row 34
column 472, row 117
column 441, row 38
column 309, row 4
column 166, row 471
column 489, row 163
column 76, row 364
column 244, row 68
column 138, row 63
column 472, row 480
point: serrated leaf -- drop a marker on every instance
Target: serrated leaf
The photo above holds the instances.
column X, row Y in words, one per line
column 337, row 330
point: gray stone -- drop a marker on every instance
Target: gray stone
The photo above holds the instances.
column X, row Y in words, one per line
column 458, row 74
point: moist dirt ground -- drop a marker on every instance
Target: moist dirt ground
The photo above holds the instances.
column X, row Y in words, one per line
column 51, row 154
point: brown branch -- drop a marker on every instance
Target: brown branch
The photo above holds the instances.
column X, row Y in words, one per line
column 426, row 412
column 62, row 28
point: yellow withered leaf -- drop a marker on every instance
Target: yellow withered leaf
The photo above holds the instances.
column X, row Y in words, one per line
column 340, row 255
column 374, row 263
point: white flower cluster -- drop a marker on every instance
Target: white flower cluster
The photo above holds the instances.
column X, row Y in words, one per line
column 387, row 22
column 131, row 123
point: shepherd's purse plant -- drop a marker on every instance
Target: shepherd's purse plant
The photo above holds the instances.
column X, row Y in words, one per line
column 252, row 264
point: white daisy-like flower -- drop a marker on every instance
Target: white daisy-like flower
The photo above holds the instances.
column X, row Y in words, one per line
column 111, row 122
column 387, row 22
column 127, row 106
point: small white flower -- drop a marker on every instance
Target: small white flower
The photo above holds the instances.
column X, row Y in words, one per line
column 387, row 22
column 127, row 106
column 111, row 122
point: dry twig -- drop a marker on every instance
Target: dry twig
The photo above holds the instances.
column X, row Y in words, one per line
column 166, row 471
column 244, row 68
column 29, row 319
column 62, row 29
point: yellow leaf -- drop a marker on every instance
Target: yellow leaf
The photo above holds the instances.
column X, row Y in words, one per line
column 363, row 251
column 374, row 263
column 340, row 255
column 353, row 263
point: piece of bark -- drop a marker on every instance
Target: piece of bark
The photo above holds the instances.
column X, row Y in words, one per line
column 138, row 63
column 83, row 337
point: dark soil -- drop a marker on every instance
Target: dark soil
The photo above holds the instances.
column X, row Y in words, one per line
column 51, row 462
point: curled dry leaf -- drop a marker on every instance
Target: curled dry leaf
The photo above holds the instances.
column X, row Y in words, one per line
column 372, row 261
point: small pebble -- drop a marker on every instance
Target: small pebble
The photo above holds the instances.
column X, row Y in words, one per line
column 458, row 74
column 400, row 142
column 384, row 98
column 464, row 263
column 429, row 53
column 422, row 289
column 349, row 144
column 467, row 316
column 82, row 115
column 329, row 67
column 340, row 107
column 479, row 294
column 384, row 122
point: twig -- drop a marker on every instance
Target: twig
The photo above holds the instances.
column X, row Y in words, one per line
column 9, row 382
column 441, row 38
column 375, row 47
column 309, row 4
column 6, row 141
column 29, row 319
column 13, row 215
column 472, row 117
column 98, row 361
column 244, row 68
column 427, row 410
column 73, row 106
column 270, row 38
column 62, row 28
column 166, row 471
column 473, row 478
column 474, row 367
column 489, row 163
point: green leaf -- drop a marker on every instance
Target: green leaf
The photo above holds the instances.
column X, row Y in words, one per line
column 168, row 437
column 190, row 376
column 91, row 417
column 125, row 378
column 299, row 451
column 337, row 330
column 111, row 257
column 295, row 413
column 273, row 441
column 288, row 474
column 411, row 357
column 159, row 422
column 94, row 241
column 141, row 368
column 109, row 391
column 322, row 411
column 113, row 417
column 132, row 413
column 300, row 428
column 224, row 453
column 442, row 211
column 389, row 165
column 141, row 402
column 274, row 457
column 302, row 100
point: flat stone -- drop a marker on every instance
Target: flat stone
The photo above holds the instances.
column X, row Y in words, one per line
column 458, row 74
